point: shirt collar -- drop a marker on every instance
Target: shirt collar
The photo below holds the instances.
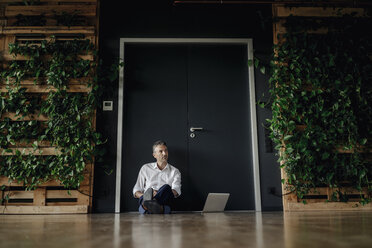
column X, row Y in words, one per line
column 155, row 166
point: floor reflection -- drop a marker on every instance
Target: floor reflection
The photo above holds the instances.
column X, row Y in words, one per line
column 193, row 230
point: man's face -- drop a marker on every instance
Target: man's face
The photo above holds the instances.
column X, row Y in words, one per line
column 161, row 153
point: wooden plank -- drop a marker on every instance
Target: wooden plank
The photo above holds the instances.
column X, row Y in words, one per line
column 21, row 194
column 318, row 191
column 48, row 88
column 62, row 194
column 7, row 41
column 91, row 182
column 52, row 1
column 48, row 151
column 62, row 203
column 43, row 80
column 49, row 30
column 301, row 127
column 14, row 117
column 353, row 191
column 19, row 204
column 50, row 10
column 87, row 180
column 88, row 167
column 23, row 144
column 281, row 29
column 274, row 10
column 362, row 150
column 77, row 209
column 2, row 11
column 9, row 57
column 83, row 199
column 39, row 196
column 283, row 11
column 2, row 43
column 85, row 190
column 329, row 206
column 5, row 181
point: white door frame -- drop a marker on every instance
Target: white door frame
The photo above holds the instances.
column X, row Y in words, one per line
column 252, row 104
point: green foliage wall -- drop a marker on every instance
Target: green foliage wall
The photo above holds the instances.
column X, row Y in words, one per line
column 69, row 126
column 322, row 82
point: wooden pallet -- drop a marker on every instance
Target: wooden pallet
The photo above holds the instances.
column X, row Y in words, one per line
column 281, row 12
column 35, row 35
column 85, row 9
column 50, row 197
column 39, row 86
column 320, row 198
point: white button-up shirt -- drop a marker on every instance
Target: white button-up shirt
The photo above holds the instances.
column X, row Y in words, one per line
column 150, row 176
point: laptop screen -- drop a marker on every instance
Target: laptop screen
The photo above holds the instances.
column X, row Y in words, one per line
column 216, row 202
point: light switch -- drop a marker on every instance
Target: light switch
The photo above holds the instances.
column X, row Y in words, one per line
column 107, row 105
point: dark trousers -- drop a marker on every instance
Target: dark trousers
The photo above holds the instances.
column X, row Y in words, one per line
column 164, row 196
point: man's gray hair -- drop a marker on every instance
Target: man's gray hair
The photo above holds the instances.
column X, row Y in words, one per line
column 158, row 143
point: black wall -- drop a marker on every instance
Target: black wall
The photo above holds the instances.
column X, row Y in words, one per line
column 161, row 19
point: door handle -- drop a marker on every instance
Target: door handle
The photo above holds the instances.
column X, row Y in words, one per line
column 193, row 129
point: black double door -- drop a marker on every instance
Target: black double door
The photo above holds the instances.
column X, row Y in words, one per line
column 169, row 89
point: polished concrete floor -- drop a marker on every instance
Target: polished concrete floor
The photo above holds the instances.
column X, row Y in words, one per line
column 194, row 230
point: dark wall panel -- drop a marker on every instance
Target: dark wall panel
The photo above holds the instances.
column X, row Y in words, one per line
column 156, row 19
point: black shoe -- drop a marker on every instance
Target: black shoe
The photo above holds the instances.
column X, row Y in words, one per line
column 147, row 196
column 153, row 207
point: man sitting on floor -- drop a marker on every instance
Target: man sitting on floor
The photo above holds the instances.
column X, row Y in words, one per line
column 158, row 183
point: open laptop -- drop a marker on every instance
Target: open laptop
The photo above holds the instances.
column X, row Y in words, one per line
column 215, row 202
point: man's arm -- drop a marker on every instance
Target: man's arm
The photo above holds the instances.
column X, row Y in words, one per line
column 140, row 184
column 176, row 184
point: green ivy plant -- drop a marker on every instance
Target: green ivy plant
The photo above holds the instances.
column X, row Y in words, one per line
column 69, row 126
column 322, row 103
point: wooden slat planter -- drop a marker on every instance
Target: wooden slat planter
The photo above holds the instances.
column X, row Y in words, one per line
column 45, row 200
column 282, row 11
column 321, row 197
column 45, row 151
column 82, row 88
column 19, row 209
column 8, row 57
column 86, row 30
column 14, row 117
column 53, row 1
column 50, row 197
column 85, row 10
column 85, row 183
column 50, row 10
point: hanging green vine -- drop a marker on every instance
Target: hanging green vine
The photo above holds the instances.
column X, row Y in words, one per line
column 69, row 125
column 322, row 103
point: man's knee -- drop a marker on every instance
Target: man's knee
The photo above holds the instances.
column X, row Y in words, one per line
column 165, row 187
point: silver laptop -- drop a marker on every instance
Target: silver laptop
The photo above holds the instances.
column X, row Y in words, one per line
column 215, row 202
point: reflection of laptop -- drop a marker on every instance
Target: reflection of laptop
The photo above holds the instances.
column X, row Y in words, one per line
column 216, row 202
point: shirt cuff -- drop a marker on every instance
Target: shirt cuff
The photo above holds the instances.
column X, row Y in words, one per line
column 178, row 189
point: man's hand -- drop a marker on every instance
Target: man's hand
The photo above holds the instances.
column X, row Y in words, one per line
column 174, row 193
column 154, row 192
column 138, row 194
